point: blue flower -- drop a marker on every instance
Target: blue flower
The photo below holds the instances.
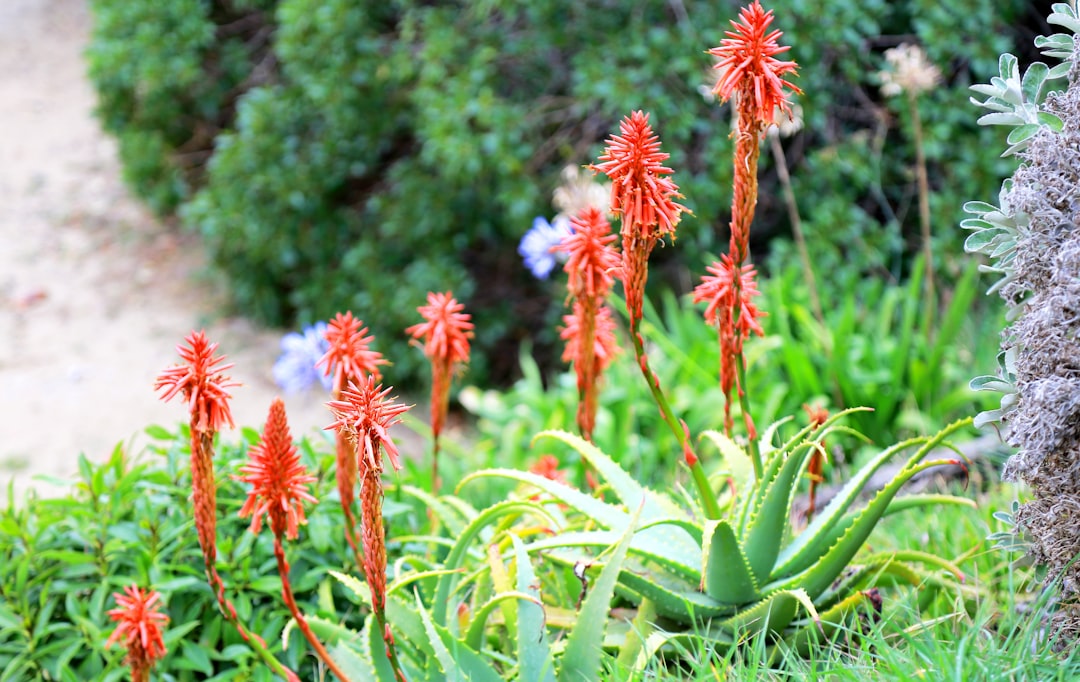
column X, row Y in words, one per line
column 537, row 243
column 295, row 370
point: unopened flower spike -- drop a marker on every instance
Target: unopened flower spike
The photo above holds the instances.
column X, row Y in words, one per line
column 279, row 490
column 279, row 481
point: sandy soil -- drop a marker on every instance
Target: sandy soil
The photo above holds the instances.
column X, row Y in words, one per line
column 95, row 293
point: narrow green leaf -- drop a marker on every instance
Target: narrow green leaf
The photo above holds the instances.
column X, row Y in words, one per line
column 817, row 578
column 652, row 547
column 475, row 636
column 629, row 491
column 446, row 662
column 772, row 614
column 767, row 527
column 829, row 623
column 581, row 659
column 455, row 559
column 459, row 661
column 535, row 661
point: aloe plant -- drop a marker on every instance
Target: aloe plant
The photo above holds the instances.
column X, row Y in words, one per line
column 751, row 570
column 443, row 615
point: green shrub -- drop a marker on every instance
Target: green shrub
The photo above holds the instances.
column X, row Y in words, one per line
column 372, row 151
column 130, row 522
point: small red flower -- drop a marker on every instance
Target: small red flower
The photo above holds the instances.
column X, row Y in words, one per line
column 446, row 330
column 639, row 191
column 201, row 381
column 719, row 290
column 593, row 262
column 731, row 309
column 279, row 481
column 604, row 345
column 365, row 414
column 748, row 64
column 139, row 627
column 645, row 199
column 350, row 357
column 548, row 467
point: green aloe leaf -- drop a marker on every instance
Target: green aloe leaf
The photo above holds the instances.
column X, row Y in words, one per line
column 455, row 559
column 768, row 525
column 772, row 614
column 460, row 662
column 629, row 491
column 674, row 598
column 805, row 548
column 581, row 659
column 660, row 640
column 828, row 567
column 728, row 577
column 653, row 546
column 535, row 661
column 607, row 515
column 475, row 636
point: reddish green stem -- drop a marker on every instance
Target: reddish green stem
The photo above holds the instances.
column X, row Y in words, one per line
column 701, row 481
column 301, row 622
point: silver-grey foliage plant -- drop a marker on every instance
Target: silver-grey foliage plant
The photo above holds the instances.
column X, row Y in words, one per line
column 1032, row 240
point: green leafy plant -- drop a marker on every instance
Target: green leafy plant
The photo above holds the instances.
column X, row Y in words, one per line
column 749, row 570
column 128, row 521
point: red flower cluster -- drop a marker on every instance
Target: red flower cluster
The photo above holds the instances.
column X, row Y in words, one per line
column 201, row 381
column 446, row 331
column 643, row 196
column 748, row 64
column 279, row 481
column 750, row 70
column 731, row 309
column 639, row 191
column 349, row 357
column 590, row 330
column 365, row 414
column 139, row 627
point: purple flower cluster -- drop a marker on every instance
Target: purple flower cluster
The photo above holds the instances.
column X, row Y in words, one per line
column 537, row 244
column 295, row 370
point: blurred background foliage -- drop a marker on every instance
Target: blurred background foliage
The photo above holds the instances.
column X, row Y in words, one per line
column 342, row 154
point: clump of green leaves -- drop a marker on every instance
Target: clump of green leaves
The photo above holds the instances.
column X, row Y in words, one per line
column 751, row 570
column 129, row 522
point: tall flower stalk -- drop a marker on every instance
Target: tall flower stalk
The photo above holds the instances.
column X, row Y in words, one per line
column 279, row 489
column 911, row 73
column 364, row 414
column 349, row 359
column 752, row 75
column 644, row 198
column 589, row 333
column 445, row 331
column 139, row 626
column 202, row 382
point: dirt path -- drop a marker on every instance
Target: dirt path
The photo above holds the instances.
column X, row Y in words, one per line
column 94, row 292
